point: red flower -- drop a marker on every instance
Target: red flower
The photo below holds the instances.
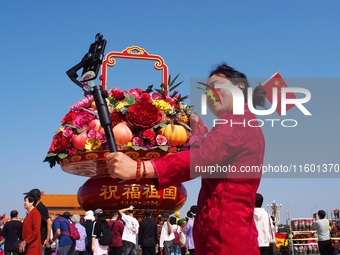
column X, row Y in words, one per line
column 144, row 115
column 69, row 118
column 149, row 135
column 117, row 94
column 59, row 142
column 117, row 117
column 145, row 97
column 73, row 152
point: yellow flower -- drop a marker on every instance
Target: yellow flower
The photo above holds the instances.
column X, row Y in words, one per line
column 93, row 145
column 162, row 105
column 184, row 118
column 120, row 105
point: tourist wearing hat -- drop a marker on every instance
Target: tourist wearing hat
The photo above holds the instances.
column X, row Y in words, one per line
column 130, row 231
column 187, row 230
column 97, row 248
column 46, row 222
column 81, row 242
column 88, row 224
column 167, row 236
column 147, row 235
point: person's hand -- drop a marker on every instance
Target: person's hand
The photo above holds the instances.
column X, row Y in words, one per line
column 22, row 246
column 131, row 207
column 121, row 166
column 46, row 243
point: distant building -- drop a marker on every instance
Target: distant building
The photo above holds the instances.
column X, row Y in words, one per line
column 60, row 203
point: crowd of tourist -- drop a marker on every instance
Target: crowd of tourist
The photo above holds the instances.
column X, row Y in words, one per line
column 47, row 233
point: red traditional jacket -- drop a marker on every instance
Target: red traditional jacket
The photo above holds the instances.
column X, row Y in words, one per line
column 224, row 222
column 31, row 232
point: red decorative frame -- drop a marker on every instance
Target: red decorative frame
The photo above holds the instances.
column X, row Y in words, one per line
column 133, row 52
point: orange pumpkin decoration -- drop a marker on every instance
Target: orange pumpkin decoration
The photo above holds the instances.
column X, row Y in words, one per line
column 176, row 135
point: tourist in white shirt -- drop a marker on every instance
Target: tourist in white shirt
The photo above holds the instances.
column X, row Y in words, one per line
column 324, row 237
column 167, row 236
column 130, row 231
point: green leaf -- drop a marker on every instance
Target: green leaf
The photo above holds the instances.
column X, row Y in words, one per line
column 137, row 148
column 52, row 163
column 162, row 124
column 172, row 82
column 73, row 127
column 163, row 148
column 130, row 99
column 92, row 112
column 51, row 154
column 182, row 124
column 62, row 155
column 124, row 110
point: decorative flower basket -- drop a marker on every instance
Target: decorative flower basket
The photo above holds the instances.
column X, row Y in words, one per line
column 93, row 163
column 147, row 123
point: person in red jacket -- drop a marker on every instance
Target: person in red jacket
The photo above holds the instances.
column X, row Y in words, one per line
column 31, row 239
column 224, row 220
column 117, row 228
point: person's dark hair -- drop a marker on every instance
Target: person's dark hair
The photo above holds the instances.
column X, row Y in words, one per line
column 259, row 200
column 101, row 217
column 67, row 215
column 321, row 214
column 114, row 213
column 236, row 77
column 192, row 212
column 173, row 220
column 129, row 212
column 14, row 213
column 148, row 212
column 31, row 199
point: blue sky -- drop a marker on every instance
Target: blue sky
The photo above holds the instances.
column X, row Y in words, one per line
column 41, row 40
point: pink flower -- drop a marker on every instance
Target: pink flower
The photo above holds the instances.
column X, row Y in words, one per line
column 156, row 96
column 137, row 141
column 170, row 100
column 161, row 140
column 83, row 119
column 136, row 92
column 67, row 132
column 84, row 103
